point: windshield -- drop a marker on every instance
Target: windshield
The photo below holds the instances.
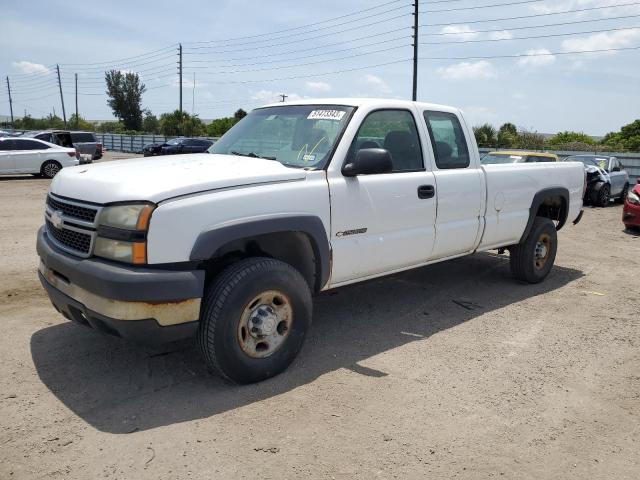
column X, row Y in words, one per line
column 174, row 141
column 301, row 136
column 590, row 161
column 492, row 158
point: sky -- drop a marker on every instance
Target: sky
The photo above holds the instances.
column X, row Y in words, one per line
column 499, row 60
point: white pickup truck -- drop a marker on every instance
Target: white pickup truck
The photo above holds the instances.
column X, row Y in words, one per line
column 297, row 198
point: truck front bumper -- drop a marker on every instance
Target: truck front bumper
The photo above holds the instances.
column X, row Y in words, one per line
column 147, row 305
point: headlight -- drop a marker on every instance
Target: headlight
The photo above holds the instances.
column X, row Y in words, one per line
column 634, row 198
column 122, row 233
column 128, row 217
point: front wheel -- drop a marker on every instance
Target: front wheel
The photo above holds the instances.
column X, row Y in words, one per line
column 603, row 196
column 532, row 260
column 623, row 195
column 50, row 169
column 254, row 319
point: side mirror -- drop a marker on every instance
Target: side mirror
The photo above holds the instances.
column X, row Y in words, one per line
column 369, row 161
column 616, row 169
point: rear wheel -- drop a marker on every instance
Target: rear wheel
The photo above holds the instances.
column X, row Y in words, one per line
column 254, row 320
column 50, row 169
column 532, row 260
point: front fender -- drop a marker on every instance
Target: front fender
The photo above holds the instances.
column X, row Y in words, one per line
column 209, row 243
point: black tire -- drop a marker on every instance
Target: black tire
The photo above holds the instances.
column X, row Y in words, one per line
column 603, row 195
column 526, row 263
column 50, row 169
column 226, row 302
column 623, row 195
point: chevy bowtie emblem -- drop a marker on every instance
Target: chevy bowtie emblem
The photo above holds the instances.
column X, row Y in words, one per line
column 56, row 219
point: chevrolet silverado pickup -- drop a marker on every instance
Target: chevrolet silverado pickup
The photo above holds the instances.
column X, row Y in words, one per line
column 230, row 246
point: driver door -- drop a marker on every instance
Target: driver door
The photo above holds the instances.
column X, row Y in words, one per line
column 385, row 222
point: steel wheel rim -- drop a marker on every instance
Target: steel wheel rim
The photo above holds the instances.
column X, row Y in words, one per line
column 51, row 170
column 542, row 251
column 265, row 324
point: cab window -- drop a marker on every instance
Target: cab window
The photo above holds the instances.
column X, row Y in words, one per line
column 395, row 131
column 447, row 139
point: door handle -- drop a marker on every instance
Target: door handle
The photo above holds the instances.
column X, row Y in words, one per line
column 426, row 191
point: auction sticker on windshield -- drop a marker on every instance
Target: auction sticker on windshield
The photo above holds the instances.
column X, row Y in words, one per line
column 326, row 115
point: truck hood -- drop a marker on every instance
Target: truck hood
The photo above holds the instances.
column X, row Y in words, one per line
column 158, row 178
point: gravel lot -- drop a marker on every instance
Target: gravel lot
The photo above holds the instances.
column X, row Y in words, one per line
column 453, row 370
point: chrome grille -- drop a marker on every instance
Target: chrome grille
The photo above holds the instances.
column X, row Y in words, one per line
column 71, row 225
column 74, row 210
column 72, row 239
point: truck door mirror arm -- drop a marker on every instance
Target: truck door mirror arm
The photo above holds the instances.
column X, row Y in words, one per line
column 369, row 161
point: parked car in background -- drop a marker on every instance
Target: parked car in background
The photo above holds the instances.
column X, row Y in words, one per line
column 86, row 143
column 606, row 179
column 30, row 155
column 518, row 157
column 176, row 146
column 631, row 211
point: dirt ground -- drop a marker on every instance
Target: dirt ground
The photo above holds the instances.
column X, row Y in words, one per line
column 449, row 371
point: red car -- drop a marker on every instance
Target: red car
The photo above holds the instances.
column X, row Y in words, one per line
column 631, row 212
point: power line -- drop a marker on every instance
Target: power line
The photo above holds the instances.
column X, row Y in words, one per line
column 226, row 72
column 293, row 51
column 125, row 59
column 529, row 27
column 521, row 17
column 531, row 37
column 540, row 54
column 297, row 58
column 480, row 7
column 357, row 27
column 333, row 72
column 305, row 26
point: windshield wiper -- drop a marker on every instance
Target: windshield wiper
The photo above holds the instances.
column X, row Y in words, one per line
column 252, row 155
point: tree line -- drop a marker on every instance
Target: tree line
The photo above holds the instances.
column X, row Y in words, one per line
column 509, row 136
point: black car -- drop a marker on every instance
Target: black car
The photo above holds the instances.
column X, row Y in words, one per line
column 177, row 145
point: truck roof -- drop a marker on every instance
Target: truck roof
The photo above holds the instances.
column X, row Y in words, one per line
column 369, row 102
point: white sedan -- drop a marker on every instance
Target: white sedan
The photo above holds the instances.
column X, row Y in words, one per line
column 29, row 155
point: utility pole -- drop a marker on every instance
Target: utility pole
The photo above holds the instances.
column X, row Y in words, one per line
column 193, row 95
column 10, row 100
column 284, row 97
column 180, row 74
column 64, row 113
column 77, row 118
column 415, row 51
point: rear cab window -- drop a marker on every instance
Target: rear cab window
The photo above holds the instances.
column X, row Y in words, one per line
column 448, row 140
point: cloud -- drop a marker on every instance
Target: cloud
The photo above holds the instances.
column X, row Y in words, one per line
column 602, row 41
column 502, row 35
column 564, row 5
column 537, row 58
column 468, row 71
column 376, row 83
column 462, row 32
column 269, row 96
column 28, row 67
column 318, row 86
